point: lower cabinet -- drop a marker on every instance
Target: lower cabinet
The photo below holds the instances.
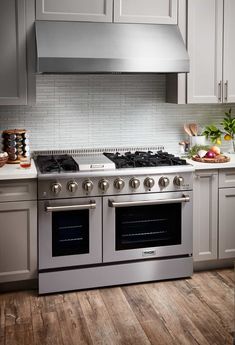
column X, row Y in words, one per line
column 227, row 214
column 214, row 215
column 18, row 240
column 205, row 221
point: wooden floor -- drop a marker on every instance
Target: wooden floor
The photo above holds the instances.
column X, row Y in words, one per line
column 187, row 311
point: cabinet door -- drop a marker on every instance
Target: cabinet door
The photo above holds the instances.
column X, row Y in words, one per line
column 226, row 223
column 229, row 51
column 18, row 241
column 205, row 216
column 75, row 10
column 148, row 11
column 205, row 30
column 13, row 77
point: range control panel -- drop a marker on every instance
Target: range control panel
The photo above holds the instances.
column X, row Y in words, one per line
column 57, row 188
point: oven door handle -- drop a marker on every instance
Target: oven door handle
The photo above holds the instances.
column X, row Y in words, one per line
column 112, row 203
column 90, row 205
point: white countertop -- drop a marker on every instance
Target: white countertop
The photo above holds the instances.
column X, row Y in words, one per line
column 207, row 166
column 15, row 172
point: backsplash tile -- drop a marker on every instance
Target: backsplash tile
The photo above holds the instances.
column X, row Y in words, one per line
column 79, row 111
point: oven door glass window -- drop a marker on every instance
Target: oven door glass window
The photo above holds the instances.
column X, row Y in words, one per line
column 70, row 233
column 148, row 226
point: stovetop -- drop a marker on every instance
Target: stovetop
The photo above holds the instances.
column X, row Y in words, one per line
column 141, row 159
column 48, row 164
column 65, row 176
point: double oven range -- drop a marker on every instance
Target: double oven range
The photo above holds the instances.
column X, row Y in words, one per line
column 113, row 219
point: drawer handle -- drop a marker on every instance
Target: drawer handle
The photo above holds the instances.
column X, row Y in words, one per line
column 112, row 203
column 226, row 91
column 220, row 91
column 90, row 205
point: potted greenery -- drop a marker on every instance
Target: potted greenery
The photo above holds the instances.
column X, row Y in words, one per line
column 228, row 131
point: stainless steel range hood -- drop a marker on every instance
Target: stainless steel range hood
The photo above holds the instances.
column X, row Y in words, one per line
column 75, row 47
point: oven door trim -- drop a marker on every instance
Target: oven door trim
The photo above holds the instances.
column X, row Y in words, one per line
column 46, row 260
column 110, row 254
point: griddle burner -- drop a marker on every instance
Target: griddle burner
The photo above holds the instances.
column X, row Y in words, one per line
column 141, row 159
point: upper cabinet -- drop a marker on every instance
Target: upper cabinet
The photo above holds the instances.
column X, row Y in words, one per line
column 13, row 75
column 211, row 28
column 148, row 11
column 75, row 10
column 122, row 11
column 17, row 64
column 229, row 51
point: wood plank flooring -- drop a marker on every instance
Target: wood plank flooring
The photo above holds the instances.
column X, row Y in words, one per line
column 193, row 311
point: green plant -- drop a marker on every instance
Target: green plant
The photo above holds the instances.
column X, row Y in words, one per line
column 193, row 151
column 228, row 131
column 213, row 133
column 228, row 124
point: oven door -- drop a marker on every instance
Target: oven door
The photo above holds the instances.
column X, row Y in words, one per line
column 70, row 232
column 146, row 226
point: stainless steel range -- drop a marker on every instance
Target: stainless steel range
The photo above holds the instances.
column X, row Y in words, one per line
column 113, row 219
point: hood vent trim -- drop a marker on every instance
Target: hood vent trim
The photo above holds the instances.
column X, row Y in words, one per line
column 78, row 47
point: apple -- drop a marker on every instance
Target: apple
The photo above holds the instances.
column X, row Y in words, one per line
column 215, row 149
column 210, row 154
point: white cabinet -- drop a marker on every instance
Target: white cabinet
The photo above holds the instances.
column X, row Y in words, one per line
column 122, row 11
column 205, row 215
column 148, row 11
column 226, row 223
column 18, row 231
column 229, row 51
column 75, row 10
column 227, row 213
column 214, row 215
column 211, row 28
column 13, row 75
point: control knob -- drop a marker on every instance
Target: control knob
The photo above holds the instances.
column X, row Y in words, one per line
column 87, row 186
column 178, row 181
column 104, row 185
column 149, row 182
column 72, row 186
column 56, row 188
column 119, row 184
column 163, row 181
column 134, row 183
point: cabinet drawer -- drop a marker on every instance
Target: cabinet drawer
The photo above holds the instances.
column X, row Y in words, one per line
column 226, row 178
column 18, row 190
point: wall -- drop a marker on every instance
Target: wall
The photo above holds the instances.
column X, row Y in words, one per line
column 79, row 111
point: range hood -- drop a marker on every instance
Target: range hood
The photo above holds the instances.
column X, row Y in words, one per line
column 78, row 47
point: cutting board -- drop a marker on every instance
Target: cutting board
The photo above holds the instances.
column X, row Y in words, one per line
column 217, row 159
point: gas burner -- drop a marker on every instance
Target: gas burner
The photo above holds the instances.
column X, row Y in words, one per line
column 141, row 159
column 56, row 163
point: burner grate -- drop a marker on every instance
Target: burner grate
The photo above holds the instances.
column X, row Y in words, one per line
column 57, row 163
column 141, row 159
